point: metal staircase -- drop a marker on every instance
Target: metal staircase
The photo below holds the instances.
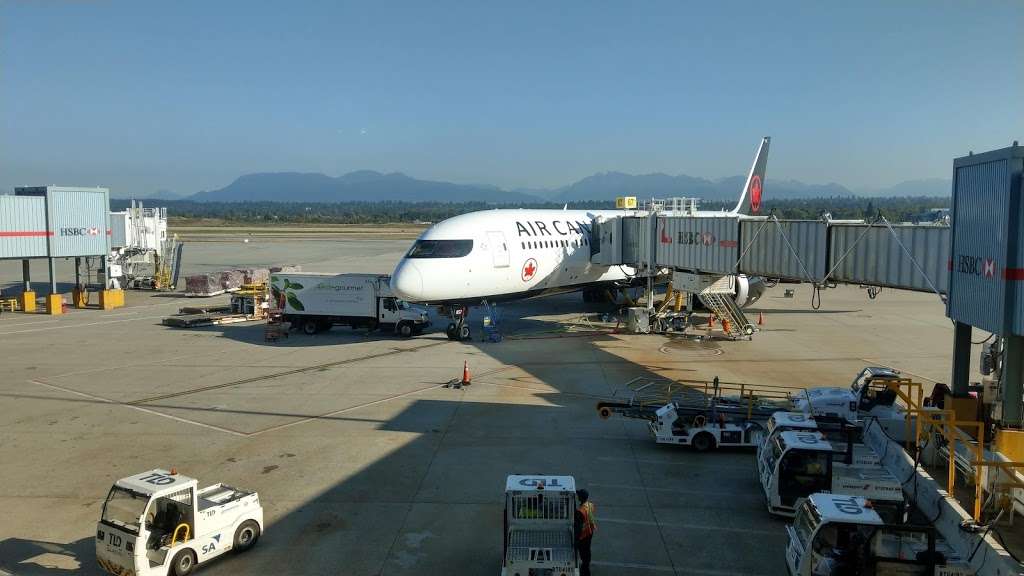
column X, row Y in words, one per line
column 718, row 299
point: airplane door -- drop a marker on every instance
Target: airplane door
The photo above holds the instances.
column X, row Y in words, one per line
column 499, row 249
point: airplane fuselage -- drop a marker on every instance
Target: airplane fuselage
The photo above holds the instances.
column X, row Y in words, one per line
column 503, row 254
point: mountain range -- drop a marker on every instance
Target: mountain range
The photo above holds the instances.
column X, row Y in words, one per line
column 376, row 186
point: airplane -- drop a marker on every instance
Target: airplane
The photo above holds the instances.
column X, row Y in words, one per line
column 510, row 254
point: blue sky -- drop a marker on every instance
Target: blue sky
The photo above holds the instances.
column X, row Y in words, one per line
column 187, row 95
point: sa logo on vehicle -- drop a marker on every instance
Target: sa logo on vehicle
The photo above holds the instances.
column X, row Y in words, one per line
column 529, row 270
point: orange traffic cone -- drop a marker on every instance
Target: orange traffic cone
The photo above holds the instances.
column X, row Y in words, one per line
column 726, row 325
column 466, row 379
column 711, row 321
column 760, row 318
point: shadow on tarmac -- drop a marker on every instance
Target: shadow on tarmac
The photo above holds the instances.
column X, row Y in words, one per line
column 434, row 504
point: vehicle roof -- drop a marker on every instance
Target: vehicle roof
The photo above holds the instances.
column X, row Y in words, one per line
column 531, row 481
column 805, row 440
column 143, row 482
column 842, row 508
column 794, row 420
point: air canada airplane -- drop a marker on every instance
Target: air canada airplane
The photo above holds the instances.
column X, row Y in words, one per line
column 509, row 254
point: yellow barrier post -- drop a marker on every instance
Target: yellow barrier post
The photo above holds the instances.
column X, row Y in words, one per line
column 28, row 301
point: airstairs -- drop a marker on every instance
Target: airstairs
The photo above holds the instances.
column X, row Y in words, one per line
column 718, row 299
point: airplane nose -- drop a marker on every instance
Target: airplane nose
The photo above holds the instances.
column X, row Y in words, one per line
column 407, row 282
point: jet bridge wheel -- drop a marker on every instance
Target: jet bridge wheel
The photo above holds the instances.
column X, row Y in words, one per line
column 184, row 563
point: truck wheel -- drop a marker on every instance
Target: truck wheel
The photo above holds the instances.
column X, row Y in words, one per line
column 310, row 327
column 404, row 329
column 184, row 563
column 703, row 442
column 450, row 331
column 246, row 535
column 464, row 333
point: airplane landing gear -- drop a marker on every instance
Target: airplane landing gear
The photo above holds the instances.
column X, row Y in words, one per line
column 457, row 328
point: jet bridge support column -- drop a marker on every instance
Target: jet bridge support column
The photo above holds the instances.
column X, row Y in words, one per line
column 1013, row 382
column 961, row 358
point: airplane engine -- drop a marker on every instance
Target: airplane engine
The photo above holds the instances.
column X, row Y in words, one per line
column 749, row 289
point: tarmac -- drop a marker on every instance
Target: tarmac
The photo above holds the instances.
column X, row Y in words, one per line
column 366, row 464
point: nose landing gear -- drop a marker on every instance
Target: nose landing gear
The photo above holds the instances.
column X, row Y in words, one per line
column 457, row 328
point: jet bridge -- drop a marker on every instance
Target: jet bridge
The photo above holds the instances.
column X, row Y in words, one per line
column 875, row 253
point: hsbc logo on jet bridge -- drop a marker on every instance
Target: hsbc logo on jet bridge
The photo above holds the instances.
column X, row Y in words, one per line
column 71, row 231
column 977, row 266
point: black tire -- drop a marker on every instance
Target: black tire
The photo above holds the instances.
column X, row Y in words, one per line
column 464, row 333
column 703, row 442
column 404, row 329
column 450, row 331
column 246, row 536
column 310, row 327
column 184, row 563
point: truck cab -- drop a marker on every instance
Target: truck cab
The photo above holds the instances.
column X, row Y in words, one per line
column 799, row 463
column 854, row 401
column 160, row 523
column 842, row 534
column 538, row 528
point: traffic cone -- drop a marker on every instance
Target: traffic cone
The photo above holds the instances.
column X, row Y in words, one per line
column 711, row 321
column 466, row 379
column 760, row 318
column 726, row 325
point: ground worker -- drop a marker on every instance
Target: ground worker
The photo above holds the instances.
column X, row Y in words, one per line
column 585, row 525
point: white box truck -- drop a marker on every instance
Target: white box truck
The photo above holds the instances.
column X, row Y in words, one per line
column 315, row 302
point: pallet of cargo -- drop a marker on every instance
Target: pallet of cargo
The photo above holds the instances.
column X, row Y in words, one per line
column 196, row 320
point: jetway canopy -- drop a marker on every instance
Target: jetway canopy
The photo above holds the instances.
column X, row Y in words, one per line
column 878, row 253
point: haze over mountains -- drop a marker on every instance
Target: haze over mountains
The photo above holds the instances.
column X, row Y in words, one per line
column 374, row 186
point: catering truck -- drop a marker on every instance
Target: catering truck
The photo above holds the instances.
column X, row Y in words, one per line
column 315, row 302
column 538, row 527
column 160, row 523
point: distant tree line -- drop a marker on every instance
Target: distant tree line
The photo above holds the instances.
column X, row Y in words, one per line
column 899, row 209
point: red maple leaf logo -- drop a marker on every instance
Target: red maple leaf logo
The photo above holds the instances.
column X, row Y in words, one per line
column 755, row 194
column 529, row 270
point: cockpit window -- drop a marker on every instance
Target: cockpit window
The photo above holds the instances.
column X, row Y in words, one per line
column 440, row 249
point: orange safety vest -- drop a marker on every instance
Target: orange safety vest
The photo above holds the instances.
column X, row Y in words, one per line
column 589, row 525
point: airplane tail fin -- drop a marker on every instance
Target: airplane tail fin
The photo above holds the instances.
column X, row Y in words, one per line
column 750, row 197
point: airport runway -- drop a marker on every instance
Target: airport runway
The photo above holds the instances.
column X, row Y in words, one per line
column 366, row 465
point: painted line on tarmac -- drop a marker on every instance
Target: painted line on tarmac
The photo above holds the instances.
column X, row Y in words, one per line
column 139, row 408
column 634, row 566
column 84, row 325
column 293, row 372
column 685, row 526
column 344, row 410
column 730, row 494
column 676, row 463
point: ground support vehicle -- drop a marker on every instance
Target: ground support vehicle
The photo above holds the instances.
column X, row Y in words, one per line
column 800, row 463
column 867, row 396
column 315, row 302
column 538, row 528
column 159, row 523
column 842, row 534
column 704, row 430
column 704, row 414
column 837, row 431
